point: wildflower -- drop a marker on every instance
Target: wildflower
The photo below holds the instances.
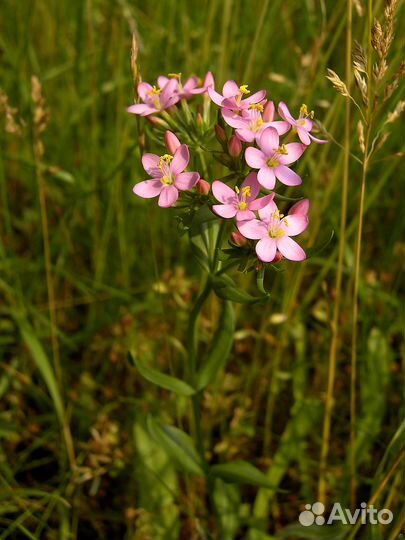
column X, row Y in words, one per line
column 190, row 87
column 239, row 202
column 232, row 96
column 167, row 176
column 272, row 159
column 155, row 99
column 274, row 232
column 234, row 147
column 250, row 124
column 208, row 82
column 300, row 208
column 238, row 239
column 302, row 125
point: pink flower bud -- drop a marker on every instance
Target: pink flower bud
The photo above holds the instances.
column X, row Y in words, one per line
column 220, row 134
column 172, row 142
column 203, row 187
column 238, row 239
column 155, row 121
column 301, row 207
column 234, row 146
column 269, row 112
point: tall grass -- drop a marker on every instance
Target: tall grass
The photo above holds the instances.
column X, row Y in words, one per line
column 88, row 272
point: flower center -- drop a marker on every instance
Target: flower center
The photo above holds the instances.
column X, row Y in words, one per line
column 167, row 180
column 275, row 231
column 272, row 162
column 246, row 192
column 154, row 92
column 256, row 107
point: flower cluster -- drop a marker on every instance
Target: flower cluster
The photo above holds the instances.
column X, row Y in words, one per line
column 260, row 149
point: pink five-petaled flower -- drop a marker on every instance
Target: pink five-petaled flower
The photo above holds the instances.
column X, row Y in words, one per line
column 272, row 159
column 155, row 99
column 303, row 124
column 274, row 232
column 240, row 202
column 190, row 87
column 251, row 124
column 232, row 96
column 167, row 177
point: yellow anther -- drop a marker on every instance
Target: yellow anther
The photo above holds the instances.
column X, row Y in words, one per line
column 286, row 223
column 237, row 190
column 273, row 162
column 259, row 122
column 242, row 205
column 281, row 150
column 244, row 89
column 174, row 75
column 256, row 107
column 155, row 91
column 167, row 180
column 304, row 112
column 165, row 159
column 246, row 192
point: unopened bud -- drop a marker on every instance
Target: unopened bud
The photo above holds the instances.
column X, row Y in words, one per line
column 220, row 134
column 300, row 208
column 199, row 119
column 269, row 112
column 238, row 239
column 172, row 142
column 203, row 187
column 156, row 121
column 234, row 146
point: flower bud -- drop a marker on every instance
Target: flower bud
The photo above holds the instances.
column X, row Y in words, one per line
column 301, row 208
column 199, row 119
column 220, row 134
column 269, row 112
column 172, row 142
column 234, row 146
column 203, row 187
column 238, row 239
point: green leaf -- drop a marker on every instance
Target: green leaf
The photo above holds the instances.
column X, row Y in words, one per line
column 161, row 379
column 178, row 445
column 43, row 364
column 220, row 349
column 240, row 472
column 226, row 288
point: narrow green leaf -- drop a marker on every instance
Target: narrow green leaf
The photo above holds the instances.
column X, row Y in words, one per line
column 43, row 364
column 220, row 349
column 161, row 379
column 240, row 472
column 176, row 444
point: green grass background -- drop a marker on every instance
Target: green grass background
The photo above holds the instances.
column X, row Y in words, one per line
column 123, row 276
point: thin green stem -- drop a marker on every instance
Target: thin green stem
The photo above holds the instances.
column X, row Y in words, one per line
column 339, row 274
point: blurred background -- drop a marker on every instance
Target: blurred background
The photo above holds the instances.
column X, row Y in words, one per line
column 107, row 271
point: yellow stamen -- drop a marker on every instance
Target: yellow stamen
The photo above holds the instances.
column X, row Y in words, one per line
column 174, row 75
column 242, row 205
column 237, row 190
column 167, row 180
column 304, row 112
column 257, row 107
column 281, row 150
column 244, row 89
column 246, row 192
column 165, row 159
column 259, row 123
column 273, row 162
column 155, row 91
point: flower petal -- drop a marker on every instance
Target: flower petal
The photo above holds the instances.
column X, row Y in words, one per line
column 245, row 135
column 233, row 119
column 266, row 177
column 162, row 81
column 216, row 98
column 243, row 215
column 294, row 224
column 142, row 109
column 225, row 210
column 295, row 151
column 301, row 207
column 150, row 164
column 269, row 140
column 290, row 249
column 168, row 196
column 281, row 126
column 148, row 189
column 284, row 112
column 319, row 141
column 143, row 89
column 269, row 112
column 230, row 89
column 303, row 136
column 266, row 212
column 180, row 160
column 186, row 180
column 168, row 92
column 287, row 176
column 262, row 202
column 266, row 249
column 253, row 229
column 224, row 193
column 256, row 97
column 255, row 158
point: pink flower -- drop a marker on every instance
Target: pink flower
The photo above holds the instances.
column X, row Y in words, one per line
column 301, row 208
column 208, row 82
column 155, row 99
column 303, row 124
column 250, row 124
column 232, row 96
column 167, row 177
column 190, row 87
column 239, row 202
column 274, row 232
column 272, row 159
